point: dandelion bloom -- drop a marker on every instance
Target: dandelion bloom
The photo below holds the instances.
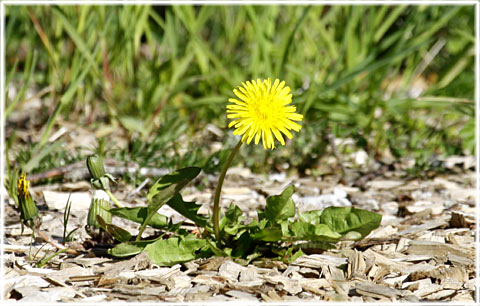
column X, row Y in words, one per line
column 262, row 111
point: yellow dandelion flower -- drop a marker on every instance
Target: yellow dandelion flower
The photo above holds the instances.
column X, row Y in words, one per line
column 28, row 209
column 262, row 111
column 23, row 186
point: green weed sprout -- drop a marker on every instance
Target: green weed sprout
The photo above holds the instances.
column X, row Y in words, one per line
column 100, row 203
column 100, row 179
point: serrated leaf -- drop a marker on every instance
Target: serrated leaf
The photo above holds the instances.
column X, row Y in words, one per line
column 167, row 252
column 119, row 233
column 290, row 256
column 164, row 189
column 231, row 222
column 345, row 219
column 139, row 214
column 168, row 185
column 280, row 207
column 187, row 209
column 269, row 234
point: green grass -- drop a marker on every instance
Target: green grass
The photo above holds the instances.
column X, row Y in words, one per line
column 137, row 67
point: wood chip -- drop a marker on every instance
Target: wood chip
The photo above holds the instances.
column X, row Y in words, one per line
column 319, row 261
column 437, row 249
column 425, row 226
column 424, row 250
column 241, row 295
column 376, row 291
column 230, row 270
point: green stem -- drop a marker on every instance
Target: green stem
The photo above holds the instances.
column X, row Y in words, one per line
column 143, row 226
column 141, row 230
column 113, row 198
column 216, row 201
column 42, row 263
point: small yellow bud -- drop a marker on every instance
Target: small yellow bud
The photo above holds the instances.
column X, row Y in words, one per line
column 28, row 209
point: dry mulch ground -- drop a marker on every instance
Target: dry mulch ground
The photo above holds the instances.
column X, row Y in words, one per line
column 423, row 251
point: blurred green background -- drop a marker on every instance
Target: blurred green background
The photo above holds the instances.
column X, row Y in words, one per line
column 395, row 80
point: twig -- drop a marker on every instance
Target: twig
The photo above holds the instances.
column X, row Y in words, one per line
column 60, row 171
column 78, row 171
column 55, row 244
column 134, row 192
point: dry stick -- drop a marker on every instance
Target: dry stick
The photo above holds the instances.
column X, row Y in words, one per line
column 60, row 171
column 137, row 190
column 79, row 171
column 56, row 244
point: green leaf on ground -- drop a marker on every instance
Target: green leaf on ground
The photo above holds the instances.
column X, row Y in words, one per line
column 130, row 248
column 139, row 214
column 346, row 219
column 167, row 252
column 119, row 233
column 313, row 232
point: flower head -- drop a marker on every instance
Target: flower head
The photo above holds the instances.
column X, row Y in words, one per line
column 100, row 179
column 28, row 209
column 262, row 111
column 23, row 186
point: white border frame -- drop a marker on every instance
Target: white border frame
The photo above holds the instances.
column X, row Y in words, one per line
column 476, row 5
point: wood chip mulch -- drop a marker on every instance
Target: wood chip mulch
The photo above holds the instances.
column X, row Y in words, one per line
column 423, row 251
